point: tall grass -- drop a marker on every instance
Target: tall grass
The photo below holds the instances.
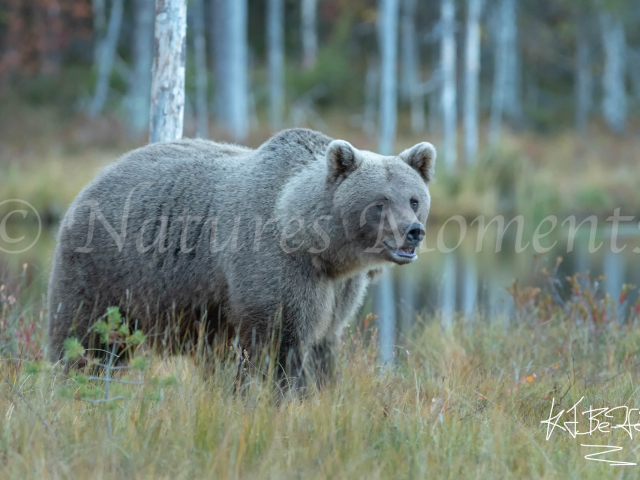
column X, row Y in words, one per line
column 463, row 402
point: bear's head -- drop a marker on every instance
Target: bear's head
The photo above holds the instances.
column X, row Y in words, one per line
column 383, row 202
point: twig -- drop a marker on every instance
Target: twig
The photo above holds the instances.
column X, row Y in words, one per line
column 104, row 400
column 106, row 390
column 109, row 379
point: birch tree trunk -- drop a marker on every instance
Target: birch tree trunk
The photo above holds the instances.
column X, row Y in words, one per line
column 470, row 289
column 309, row 33
column 236, row 71
column 513, row 101
column 139, row 101
column 275, row 43
column 583, row 79
column 472, row 76
column 388, row 34
column 448, row 61
column 449, row 275
column 411, row 66
column 388, row 41
column 385, row 308
column 200, row 57
column 105, row 59
column 167, row 89
column 408, row 286
column 503, row 75
column 614, row 102
column 370, row 96
column 408, row 48
column 219, row 51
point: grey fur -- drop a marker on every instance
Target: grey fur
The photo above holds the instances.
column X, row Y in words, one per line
column 312, row 279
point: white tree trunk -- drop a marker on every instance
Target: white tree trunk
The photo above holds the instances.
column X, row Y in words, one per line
column 614, row 102
column 219, row 50
column 275, row 43
column 237, row 69
column 385, row 308
column 448, row 61
column 371, row 81
column 513, row 101
column 504, row 76
column 309, row 31
column 583, row 80
column 408, row 48
column 472, row 77
column 107, row 53
column 470, row 289
column 167, row 89
column 388, row 34
column 448, row 303
column 200, row 54
column 388, row 41
column 139, row 97
column 408, row 287
column 411, row 67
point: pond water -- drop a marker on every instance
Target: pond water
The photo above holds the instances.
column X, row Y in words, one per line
column 468, row 281
column 473, row 279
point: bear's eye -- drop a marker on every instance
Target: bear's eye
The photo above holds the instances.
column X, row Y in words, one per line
column 414, row 203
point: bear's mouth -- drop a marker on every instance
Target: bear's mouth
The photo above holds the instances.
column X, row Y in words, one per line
column 402, row 255
column 406, row 252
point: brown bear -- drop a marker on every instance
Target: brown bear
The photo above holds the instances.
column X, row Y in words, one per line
column 195, row 232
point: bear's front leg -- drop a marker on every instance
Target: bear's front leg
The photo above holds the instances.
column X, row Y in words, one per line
column 321, row 363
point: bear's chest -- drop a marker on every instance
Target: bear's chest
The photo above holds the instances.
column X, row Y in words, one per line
column 339, row 302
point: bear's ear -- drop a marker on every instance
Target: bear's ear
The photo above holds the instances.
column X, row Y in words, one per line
column 422, row 158
column 342, row 159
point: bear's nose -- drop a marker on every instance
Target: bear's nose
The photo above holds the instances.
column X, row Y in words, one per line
column 416, row 233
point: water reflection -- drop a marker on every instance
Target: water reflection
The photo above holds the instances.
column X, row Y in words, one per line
column 438, row 285
column 470, row 283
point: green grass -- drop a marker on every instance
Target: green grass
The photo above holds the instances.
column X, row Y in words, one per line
column 464, row 402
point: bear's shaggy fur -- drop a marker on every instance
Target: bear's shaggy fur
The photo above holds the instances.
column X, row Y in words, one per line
column 191, row 232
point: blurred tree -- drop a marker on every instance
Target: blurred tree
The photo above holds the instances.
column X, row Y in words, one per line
column 449, row 290
column 98, row 7
column 505, row 97
column 472, row 79
column 449, row 86
column 583, row 78
column 410, row 86
column 106, row 55
column 470, row 288
column 200, row 58
column 219, row 50
column 309, row 32
column 385, row 309
column 371, row 81
column 614, row 101
column 50, row 32
column 14, row 27
column 388, row 40
column 139, row 95
column 275, row 42
column 236, row 70
column 167, row 89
